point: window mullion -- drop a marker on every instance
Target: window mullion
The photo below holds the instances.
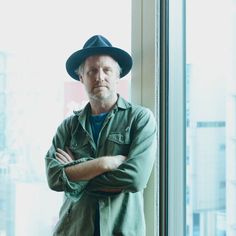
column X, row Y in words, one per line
column 176, row 119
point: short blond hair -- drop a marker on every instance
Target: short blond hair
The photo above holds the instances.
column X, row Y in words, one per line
column 80, row 70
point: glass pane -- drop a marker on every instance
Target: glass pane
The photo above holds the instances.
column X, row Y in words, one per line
column 211, row 118
column 36, row 94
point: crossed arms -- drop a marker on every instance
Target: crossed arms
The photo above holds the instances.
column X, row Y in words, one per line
column 106, row 173
column 90, row 169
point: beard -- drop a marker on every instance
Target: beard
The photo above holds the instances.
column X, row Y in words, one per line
column 101, row 93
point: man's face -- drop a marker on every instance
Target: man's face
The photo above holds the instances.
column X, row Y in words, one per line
column 100, row 76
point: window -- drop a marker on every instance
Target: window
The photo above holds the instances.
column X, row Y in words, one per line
column 211, row 106
column 200, row 54
column 36, row 94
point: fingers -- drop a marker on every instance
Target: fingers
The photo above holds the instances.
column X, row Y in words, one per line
column 63, row 156
column 122, row 158
column 70, row 153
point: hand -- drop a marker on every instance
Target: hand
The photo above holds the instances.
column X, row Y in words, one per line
column 64, row 157
column 113, row 162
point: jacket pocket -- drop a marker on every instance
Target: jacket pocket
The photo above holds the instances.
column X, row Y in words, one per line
column 118, row 143
column 80, row 147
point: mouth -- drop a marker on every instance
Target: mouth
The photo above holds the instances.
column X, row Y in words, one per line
column 100, row 86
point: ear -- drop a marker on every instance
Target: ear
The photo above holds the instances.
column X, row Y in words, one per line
column 81, row 79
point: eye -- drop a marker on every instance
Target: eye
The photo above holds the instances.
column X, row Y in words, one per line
column 92, row 71
column 107, row 70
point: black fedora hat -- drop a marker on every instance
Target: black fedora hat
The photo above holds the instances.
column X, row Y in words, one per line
column 98, row 45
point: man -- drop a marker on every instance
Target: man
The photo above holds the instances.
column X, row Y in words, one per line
column 102, row 156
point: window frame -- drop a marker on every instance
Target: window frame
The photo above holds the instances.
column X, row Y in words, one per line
column 144, row 86
column 176, row 119
column 158, row 49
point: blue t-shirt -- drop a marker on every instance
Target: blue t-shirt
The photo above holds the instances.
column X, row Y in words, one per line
column 96, row 122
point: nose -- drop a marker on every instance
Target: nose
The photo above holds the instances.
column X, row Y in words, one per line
column 101, row 75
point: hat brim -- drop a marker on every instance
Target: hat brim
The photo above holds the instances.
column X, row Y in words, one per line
column 119, row 55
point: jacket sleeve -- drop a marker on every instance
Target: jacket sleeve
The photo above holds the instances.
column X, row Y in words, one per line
column 55, row 170
column 133, row 174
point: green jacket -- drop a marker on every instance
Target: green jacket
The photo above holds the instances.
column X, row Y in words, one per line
column 128, row 130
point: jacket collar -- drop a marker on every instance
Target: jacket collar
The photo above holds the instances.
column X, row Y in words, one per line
column 120, row 104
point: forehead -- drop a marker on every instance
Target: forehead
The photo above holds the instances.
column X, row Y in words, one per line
column 100, row 60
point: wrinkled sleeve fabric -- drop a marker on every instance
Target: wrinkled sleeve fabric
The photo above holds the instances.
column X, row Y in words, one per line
column 55, row 170
column 133, row 174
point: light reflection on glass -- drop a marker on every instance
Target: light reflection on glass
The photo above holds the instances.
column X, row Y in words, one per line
column 210, row 119
column 36, row 94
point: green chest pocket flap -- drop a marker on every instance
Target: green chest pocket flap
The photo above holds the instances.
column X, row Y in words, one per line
column 118, row 143
column 80, row 146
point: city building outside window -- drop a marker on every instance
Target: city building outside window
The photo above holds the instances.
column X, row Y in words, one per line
column 211, row 116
